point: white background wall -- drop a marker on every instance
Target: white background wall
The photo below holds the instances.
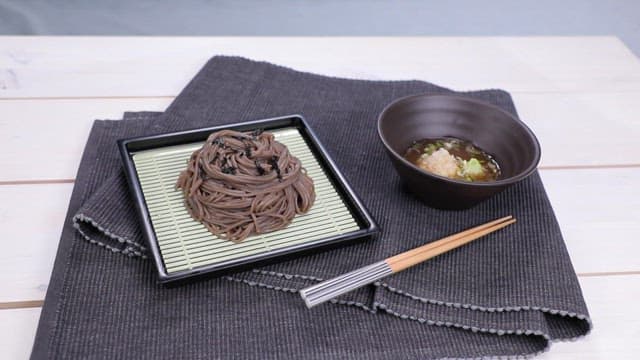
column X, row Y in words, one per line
column 331, row 17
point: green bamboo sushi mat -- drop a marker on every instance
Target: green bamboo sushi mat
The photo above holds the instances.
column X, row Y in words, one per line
column 186, row 244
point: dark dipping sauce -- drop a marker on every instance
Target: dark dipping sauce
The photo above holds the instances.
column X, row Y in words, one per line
column 453, row 158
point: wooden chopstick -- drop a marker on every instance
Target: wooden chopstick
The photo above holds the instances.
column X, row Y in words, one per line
column 417, row 255
column 329, row 289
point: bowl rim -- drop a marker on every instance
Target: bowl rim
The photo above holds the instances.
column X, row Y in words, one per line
column 510, row 180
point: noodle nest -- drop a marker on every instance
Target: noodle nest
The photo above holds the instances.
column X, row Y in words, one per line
column 240, row 183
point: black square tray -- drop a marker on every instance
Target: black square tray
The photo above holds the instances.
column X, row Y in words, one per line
column 181, row 247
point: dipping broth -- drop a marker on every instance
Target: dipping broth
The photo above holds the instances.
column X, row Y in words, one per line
column 453, row 158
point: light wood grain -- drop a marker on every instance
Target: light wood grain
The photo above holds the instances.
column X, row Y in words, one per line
column 612, row 303
column 117, row 66
column 31, row 218
column 573, row 129
column 17, row 330
column 590, row 128
column 53, row 133
column 599, row 214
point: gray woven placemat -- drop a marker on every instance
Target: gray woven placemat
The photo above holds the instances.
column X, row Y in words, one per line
column 510, row 294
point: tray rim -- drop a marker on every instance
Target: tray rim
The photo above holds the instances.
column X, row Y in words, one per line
column 127, row 146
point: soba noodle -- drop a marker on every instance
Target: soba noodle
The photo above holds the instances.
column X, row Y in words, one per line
column 239, row 184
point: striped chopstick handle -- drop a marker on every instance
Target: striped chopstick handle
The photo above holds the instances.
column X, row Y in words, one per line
column 345, row 283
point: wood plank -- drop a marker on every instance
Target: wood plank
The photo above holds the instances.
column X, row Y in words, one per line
column 573, row 129
column 17, row 332
column 577, row 129
column 611, row 301
column 576, row 196
column 161, row 66
column 599, row 214
column 53, row 133
column 31, row 220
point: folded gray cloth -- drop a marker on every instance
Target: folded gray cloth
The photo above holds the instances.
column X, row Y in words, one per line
column 510, row 294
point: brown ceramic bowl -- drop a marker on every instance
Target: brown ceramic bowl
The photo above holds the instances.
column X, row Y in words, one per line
column 513, row 145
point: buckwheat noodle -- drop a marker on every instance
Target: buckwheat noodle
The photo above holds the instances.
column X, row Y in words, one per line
column 241, row 183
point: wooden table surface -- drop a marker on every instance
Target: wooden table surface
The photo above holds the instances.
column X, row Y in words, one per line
column 580, row 95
